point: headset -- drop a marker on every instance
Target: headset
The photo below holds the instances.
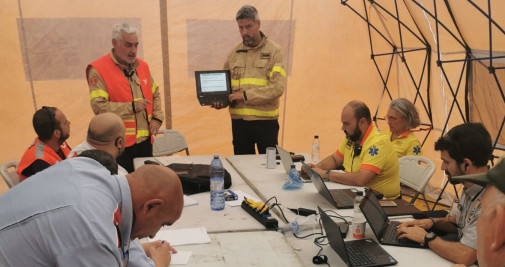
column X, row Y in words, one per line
column 357, row 150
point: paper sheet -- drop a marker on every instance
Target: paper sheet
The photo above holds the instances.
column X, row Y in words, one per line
column 180, row 258
column 186, row 236
column 188, row 201
column 238, row 202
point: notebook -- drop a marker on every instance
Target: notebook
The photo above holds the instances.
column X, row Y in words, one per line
column 287, row 161
column 382, row 227
column 361, row 252
column 213, row 86
column 340, row 198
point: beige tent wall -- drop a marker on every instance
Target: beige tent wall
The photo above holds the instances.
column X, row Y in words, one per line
column 45, row 49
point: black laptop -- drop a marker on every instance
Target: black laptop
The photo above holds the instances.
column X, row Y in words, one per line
column 213, row 86
column 382, row 227
column 340, row 198
column 361, row 252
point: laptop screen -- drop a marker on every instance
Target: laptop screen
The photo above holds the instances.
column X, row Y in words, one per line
column 374, row 213
column 319, row 184
column 213, row 81
column 285, row 159
column 334, row 236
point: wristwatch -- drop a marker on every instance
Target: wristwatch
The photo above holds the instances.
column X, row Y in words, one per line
column 429, row 237
column 327, row 176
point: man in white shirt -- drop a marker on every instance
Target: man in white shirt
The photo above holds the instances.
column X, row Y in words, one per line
column 106, row 132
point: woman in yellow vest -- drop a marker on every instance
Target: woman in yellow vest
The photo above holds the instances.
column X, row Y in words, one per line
column 402, row 117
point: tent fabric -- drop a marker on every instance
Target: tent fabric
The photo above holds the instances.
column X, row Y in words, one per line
column 329, row 47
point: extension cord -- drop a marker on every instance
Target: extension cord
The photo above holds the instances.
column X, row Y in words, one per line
column 264, row 218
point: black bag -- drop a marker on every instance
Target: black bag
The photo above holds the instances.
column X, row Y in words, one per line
column 195, row 178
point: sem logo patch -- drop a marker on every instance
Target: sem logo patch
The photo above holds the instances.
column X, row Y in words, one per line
column 417, row 150
column 373, row 151
column 93, row 81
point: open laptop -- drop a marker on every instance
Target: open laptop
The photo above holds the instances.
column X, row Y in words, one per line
column 362, row 252
column 340, row 198
column 382, row 227
column 213, row 86
column 287, row 161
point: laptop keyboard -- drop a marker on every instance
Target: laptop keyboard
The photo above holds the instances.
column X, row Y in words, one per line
column 390, row 233
column 344, row 200
column 357, row 254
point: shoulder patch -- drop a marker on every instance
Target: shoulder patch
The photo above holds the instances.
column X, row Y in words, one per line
column 373, row 151
column 93, row 81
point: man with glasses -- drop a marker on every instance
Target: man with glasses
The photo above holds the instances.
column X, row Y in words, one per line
column 465, row 149
column 53, row 129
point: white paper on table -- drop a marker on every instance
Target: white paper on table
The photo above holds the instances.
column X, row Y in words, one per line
column 186, row 236
column 241, row 195
column 181, row 257
column 188, row 201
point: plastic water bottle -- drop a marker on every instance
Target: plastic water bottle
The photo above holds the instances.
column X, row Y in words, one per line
column 315, row 149
column 294, row 181
column 358, row 218
column 216, row 184
column 310, row 222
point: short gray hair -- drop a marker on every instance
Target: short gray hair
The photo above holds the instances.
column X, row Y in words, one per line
column 407, row 110
column 122, row 27
column 248, row 12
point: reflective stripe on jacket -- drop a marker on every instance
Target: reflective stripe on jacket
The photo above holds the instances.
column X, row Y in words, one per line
column 40, row 151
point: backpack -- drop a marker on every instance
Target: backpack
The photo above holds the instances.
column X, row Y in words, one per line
column 195, row 178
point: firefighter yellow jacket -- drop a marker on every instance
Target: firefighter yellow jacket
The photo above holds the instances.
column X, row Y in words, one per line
column 259, row 73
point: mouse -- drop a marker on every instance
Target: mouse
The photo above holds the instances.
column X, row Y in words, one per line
column 151, row 162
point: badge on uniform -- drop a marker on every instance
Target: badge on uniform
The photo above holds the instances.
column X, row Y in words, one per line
column 265, row 55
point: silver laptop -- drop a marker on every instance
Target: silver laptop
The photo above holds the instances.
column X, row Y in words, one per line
column 287, row 161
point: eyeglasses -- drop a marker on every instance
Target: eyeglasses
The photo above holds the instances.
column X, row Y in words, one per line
column 51, row 114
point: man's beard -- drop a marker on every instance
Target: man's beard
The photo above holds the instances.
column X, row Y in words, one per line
column 248, row 41
column 63, row 138
column 449, row 175
column 355, row 135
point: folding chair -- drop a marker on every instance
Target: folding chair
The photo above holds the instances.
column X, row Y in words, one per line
column 8, row 171
column 415, row 172
column 170, row 142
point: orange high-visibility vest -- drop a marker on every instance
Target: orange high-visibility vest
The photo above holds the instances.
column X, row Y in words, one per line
column 119, row 90
column 40, row 151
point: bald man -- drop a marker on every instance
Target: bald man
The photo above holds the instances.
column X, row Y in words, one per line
column 88, row 216
column 106, row 132
column 367, row 156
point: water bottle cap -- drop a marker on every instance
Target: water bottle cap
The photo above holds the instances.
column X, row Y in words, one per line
column 316, row 136
column 293, row 166
column 216, row 156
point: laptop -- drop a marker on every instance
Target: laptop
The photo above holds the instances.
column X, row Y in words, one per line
column 213, row 86
column 287, row 161
column 382, row 227
column 340, row 198
column 361, row 252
